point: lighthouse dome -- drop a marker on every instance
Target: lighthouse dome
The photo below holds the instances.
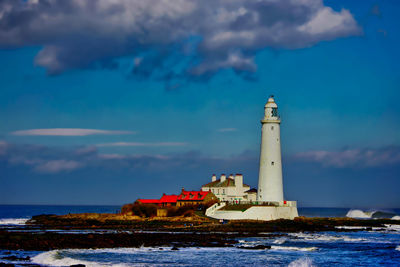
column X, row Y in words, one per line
column 271, row 103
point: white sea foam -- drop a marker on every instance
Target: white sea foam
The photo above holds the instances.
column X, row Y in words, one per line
column 13, row 221
column 398, row 248
column 325, row 237
column 360, row 214
column 351, row 227
column 393, row 227
column 55, row 258
column 294, row 248
column 279, row 241
column 302, row 262
column 397, row 217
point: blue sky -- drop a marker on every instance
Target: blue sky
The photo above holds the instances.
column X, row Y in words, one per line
column 178, row 98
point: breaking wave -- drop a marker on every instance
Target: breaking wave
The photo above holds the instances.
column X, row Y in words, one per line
column 58, row 258
column 13, row 221
column 294, row 248
column 376, row 214
column 396, row 217
column 279, row 241
column 398, row 248
column 302, row 262
column 327, row 238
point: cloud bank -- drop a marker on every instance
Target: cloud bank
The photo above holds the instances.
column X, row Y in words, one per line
column 32, row 173
column 173, row 38
column 361, row 158
column 68, row 132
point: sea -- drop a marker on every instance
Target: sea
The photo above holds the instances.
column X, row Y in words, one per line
column 368, row 247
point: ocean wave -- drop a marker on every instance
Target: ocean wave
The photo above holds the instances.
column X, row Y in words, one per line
column 302, row 262
column 351, row 227
column 279, row 241
column 393, row 227
column 57, row 258
column 396, row 217
column 375, row 214
column 327, row 238
column 13, row 221
column 359, row 214
column 398, row 248
column 294, row 248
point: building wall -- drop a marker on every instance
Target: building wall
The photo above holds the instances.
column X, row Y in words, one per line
column 258, row 213
column 228, row 193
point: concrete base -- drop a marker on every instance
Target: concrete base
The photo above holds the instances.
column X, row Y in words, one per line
column 262, row 213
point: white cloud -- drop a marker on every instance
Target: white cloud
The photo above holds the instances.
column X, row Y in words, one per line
column 80, row 34
column 111, row 156
column 3, row 147
column 353, row 157
column 68, row 132
column 142, row 144
column 56, row 166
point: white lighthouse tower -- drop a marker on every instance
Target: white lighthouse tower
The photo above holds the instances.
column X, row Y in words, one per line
column 270, row 185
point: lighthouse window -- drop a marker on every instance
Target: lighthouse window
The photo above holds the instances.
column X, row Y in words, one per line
column 272, row 127
column 272, row 163
column 275, row 112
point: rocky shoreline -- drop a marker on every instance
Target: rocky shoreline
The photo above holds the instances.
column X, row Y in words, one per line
column 196, row 231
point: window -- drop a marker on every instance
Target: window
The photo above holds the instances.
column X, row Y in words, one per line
column 274, row 112
column 272, row 128
column 272, row 163
column 223, row 191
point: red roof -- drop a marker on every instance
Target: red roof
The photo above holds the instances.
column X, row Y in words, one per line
column 163, row 200
column 149, row 201
column 168, row 199
column 193, row 195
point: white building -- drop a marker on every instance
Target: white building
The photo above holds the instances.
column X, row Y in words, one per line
column 270, row 185
column 270, row 204
column 231, row 189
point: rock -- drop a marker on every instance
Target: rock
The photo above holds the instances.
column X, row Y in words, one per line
column 15, row 258
column 174, row 248
column 77, row 265
column 256, row 247
column 2, row 264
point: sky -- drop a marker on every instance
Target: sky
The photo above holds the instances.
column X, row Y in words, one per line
column 103, row 102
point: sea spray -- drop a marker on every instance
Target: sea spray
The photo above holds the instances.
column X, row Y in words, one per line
column 13, row 221
column 302, row 262
column 60, row 258
column 375, row 214
column 359, row 214
column 294, row 248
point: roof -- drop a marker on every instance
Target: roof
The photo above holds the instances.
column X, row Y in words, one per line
column 253, row 190
column 226, row 183
column 149, row 201
column 168, row 199
column 193, row 195
column 164, row 199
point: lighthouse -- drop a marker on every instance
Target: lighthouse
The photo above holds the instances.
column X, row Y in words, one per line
column 270, row 185
column 270, row 204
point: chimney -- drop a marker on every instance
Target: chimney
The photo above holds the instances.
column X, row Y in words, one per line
column 231, row 176
column 183, row 190
column 213, row 178
column 239, row 180
column 223, row 178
